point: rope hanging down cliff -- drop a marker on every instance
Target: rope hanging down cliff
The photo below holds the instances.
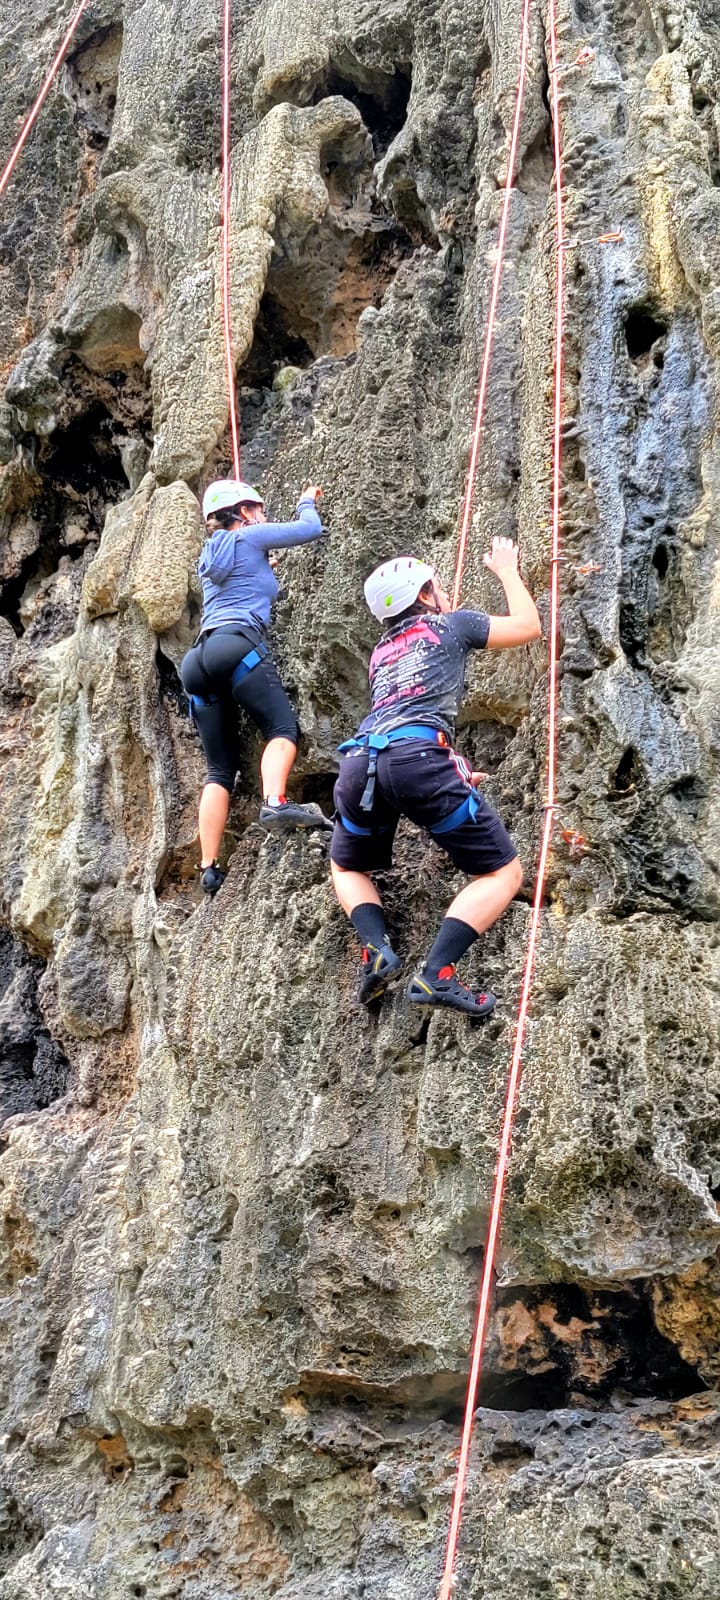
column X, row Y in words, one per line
column 227, row 328
column 33, row 115
column 492, row 310
column 549, row 808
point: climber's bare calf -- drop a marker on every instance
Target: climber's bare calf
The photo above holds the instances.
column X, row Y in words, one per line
column 479, row 904
column 402, row 764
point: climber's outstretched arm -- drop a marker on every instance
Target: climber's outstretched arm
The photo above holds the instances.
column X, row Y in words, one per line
column 522, row 624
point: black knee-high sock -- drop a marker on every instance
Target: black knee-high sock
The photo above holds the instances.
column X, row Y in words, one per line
column 368, row 921
column 454, row 938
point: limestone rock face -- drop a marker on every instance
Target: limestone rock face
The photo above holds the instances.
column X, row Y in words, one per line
column 241, row 1223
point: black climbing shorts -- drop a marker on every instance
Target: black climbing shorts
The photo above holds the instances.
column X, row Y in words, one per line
column 424, row 782
column 206, row 671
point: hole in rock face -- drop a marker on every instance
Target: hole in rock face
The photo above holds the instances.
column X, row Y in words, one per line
column 85, row 457
column 559, row 1341
column 276, row 346
column 33, row 1068
column 642, row 332
column 627, row 772
column 542, row 1391
column 381, row 98
column 312, row 306
column 660, row 560
column 79, row 472
column 317, row 789
column 318, row 299
column 633, row 629
column 25, row 599
column 111, row 344
column 171, row 688
column 276, row 343
column 690, row 794
column 19, row 1532
column 453, row 1415
column 91, row 75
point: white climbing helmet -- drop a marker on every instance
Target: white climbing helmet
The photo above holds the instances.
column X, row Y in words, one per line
column 229, row 492
column 395, row 585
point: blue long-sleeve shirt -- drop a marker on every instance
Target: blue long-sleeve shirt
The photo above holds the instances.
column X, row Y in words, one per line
column 238, row 583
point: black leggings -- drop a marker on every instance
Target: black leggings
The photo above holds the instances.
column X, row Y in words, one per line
column 206, row 671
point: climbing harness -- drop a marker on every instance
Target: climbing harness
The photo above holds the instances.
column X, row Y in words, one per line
column 550, row 806
column 34, row 113
column 465, row 812
column 244, row 666
column 374, row 743
column 227, row 328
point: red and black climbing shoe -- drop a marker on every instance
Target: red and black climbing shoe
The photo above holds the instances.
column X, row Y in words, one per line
column 285, row 816
column 379, row 967
column 211, row 878
column 446, row 990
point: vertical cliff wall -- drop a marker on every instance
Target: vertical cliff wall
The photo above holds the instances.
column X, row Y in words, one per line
column 242, row 1223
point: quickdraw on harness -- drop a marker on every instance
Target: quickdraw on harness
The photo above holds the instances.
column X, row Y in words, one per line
column 252, row 659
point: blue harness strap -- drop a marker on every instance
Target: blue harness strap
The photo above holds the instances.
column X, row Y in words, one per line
column 252, row 659
column 375, row 742
column 408, row 730
column 195, row 700
column 465, row 812
column 360, row 833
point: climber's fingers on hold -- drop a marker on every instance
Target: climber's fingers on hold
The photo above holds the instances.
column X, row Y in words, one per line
column 502, row 556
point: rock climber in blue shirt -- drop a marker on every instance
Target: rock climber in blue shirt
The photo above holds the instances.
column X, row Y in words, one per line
column 230, row 666
column 402, row 763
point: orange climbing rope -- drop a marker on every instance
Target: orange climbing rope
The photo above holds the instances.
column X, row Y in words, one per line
column 33, row 115
column 490, row 328
column 448, row 1580
column 227, row 329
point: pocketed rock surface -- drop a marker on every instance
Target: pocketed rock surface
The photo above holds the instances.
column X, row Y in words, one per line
column 241, row 1222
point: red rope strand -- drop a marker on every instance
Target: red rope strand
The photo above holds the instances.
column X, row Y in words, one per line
column 448, row 1580
column 33, row 115
column 490, row 327
column 227, row 330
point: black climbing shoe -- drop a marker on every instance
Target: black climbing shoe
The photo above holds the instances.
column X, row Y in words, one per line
column 287, row 817
column 379, row 968
column 446, row 990
column 212, row 878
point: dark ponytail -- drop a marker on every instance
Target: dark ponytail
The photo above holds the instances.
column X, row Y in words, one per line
column 226, row 516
